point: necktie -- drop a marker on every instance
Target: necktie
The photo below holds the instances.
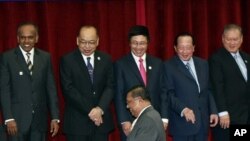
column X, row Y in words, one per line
column 29, row 63
column 90, row 68
column 192, row 73
column 142, row 71
column 241, row 66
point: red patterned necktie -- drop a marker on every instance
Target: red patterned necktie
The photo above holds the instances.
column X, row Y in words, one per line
column 142, row 71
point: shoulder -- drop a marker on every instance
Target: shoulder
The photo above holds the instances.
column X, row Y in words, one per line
column 42, row 52
column 102, row 55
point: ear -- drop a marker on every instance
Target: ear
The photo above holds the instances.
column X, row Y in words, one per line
column 77, row 41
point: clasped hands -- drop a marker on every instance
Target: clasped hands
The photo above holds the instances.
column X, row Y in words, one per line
column 96, row 115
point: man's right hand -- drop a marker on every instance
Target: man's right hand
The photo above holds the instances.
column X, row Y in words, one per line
column 126, row 127
column 225, row 121
column 12, row 127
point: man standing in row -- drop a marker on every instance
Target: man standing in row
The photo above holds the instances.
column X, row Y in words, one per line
column 28, row 90
column 191, row 104
column 229, row 71
column 138, row 68
column 87, row 84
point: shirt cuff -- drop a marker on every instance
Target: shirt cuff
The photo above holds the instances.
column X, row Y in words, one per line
column 8, row 120
column 57, row 120
column 165, row 120
column 223, row 113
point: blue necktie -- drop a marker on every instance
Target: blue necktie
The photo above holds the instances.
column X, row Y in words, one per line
column 192, row 73
column 90, row 68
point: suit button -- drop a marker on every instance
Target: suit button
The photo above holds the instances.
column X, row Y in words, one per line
column 93, row 92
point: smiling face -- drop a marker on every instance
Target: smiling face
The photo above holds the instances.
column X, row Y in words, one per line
column 184, row 47
column 88, row 40
column 27, row 37
column 139, row 45
column 232, row 40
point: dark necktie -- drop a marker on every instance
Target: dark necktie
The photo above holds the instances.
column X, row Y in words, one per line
column 90, row 68
column 142, row 71
column 29, row 63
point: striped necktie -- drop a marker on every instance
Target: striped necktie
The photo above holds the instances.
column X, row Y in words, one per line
column 29, row 63
column 90, row 69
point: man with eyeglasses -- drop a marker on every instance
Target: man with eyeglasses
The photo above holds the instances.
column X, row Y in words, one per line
column 87, row 84
column 148, row 125
column 138, row 68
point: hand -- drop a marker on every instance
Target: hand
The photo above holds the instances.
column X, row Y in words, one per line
column 96, row 116
column 225, row 121
column 189, row 115
column 12, row 127
column 98, row 121
column 54, row 127
column 165, row 124
column 126, row 127
column 213, row 120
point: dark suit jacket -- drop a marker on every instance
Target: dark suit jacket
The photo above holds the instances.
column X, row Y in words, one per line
column 23, row 94
column 81, row 95
column 128, row 75
column 148, row 127
column 231, row 91
column 183, row 92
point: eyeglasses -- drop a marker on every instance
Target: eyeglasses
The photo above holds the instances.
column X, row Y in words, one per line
column 85, row 43
column 134, row 99
column 135, row 43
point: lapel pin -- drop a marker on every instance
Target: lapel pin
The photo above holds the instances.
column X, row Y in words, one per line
column 20, row 73
column 98, row 58
column 245, row 61
column 149, row 67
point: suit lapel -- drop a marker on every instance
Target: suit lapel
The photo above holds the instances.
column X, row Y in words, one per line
column 246, row 62
column 21, row 61
column 149, row 68
column 79, row 59
column 97, row 66
column 228, row 57
column 183, row 69
column 37, row 63
column 198, row 69
column 133, row 66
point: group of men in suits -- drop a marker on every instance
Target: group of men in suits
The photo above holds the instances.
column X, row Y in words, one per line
column 149, row 94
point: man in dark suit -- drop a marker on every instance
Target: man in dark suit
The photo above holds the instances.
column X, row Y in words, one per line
column 229, row 71
column 192, row 105
column 138, row 68
column 148, row 125
column 28, row 89
column 87, row 83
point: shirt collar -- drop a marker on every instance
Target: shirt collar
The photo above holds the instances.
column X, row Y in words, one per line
column 137, row 58
column 25, row 52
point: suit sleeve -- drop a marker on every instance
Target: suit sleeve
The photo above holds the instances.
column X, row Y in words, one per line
column 108, row 92
column 163, row 96
column 52, row 93
column 5, row 90
column 174, row 102
column 146, row 131
column 120, row 100
column 71, row 94
column 216, row 77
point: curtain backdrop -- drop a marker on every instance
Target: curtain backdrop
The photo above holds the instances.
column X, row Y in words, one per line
column 59, row 22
